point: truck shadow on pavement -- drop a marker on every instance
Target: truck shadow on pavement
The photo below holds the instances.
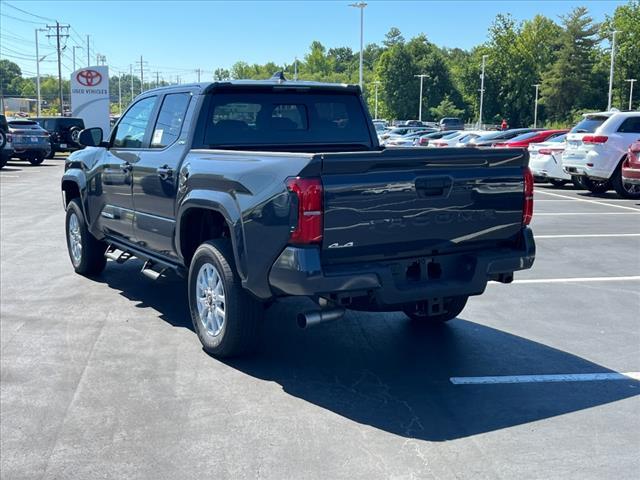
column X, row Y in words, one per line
column 378, row 369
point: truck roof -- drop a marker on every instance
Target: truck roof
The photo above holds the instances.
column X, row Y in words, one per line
column 206, row 87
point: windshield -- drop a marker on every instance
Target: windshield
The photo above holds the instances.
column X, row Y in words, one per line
column 491, row 136
column 589, row 124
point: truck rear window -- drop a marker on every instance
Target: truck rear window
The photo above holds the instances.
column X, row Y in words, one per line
column 290, row 118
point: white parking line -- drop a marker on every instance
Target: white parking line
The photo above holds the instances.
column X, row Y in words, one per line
column 590, row 235
column 563, row 377
column 557, row 214
column 588, row 201
column 578, row 279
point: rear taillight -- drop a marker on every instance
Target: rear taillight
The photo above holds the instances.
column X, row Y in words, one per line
column 499, row 144
column 527, row 210
column 549, row 151
column 308, row 228
column 594, row 139
column 423, row 141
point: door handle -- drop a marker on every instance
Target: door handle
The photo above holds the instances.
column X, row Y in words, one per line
column 165, row 172
column 433, row 187
column 126, row 167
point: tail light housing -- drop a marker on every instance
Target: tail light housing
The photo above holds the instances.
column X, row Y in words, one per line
column 527, row 210
column 423, row 141
column 308, row 228
column 549, row 151
column 500, row 145
column 592, row 139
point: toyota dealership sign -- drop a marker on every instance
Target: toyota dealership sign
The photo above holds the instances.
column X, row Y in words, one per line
column 90, row 96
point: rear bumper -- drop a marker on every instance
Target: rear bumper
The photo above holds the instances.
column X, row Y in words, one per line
column 298, row 271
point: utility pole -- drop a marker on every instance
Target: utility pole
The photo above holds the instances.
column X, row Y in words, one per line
column 631, row 81
column 157, row 79
column 361, row 6
column 131, row 76
column 421, row 77
column 295, row 69
column 613, row 56
column 120, row 92
column 141, row 74
column 57, row 27
column 198, row 73
column 535, row 108
column 88, row 53
column 376, row 83
column 178, row 79
column 38, row 107
column 484, row 59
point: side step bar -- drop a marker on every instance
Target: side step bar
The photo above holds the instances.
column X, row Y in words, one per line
column 149, row 272
column 117, row 255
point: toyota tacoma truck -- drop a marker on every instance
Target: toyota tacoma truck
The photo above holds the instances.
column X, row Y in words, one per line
column 257, row 190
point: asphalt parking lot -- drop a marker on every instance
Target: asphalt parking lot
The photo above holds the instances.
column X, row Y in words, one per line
column 104, row 378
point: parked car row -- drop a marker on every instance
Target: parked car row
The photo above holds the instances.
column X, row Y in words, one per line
column 599, row 154
column 34, row 139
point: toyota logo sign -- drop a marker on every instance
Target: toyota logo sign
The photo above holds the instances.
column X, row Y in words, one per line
column 89, row 78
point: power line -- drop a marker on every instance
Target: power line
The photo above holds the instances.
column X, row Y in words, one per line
column 20, row 19
column 29, row 13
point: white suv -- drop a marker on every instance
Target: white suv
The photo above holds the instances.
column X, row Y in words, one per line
column 596, row 148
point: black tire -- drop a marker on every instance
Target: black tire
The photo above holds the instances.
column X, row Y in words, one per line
column 3, row 160
column 52, row 153
column 92, row 260
column 36, row 159
column 239, row 331
column 557, row 183
column 452, row 308
column 577, row 182
column 3, row 139
column 624, row 190
column 74, row 134
column 596, row 186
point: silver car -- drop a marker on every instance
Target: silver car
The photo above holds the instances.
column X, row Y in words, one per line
column 30, row 141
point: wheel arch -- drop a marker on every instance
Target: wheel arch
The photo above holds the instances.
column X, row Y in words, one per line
column 206, row 215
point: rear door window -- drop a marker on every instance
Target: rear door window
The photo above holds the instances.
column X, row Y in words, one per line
column 263, row 118
column 170, row 119
column 630, row 125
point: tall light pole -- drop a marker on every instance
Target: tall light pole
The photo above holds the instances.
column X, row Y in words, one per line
column 361, row 6
column 421, row 77
column 613, row 56
column 120, row 92
column 535, row 108
column 38, row 71
column 74, row 56
column 631, row 81
column 295, row 69
column 484, row 60
column 376, row 83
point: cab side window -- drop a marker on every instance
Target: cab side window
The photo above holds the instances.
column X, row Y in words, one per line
column 170, row 119
column 133, row 125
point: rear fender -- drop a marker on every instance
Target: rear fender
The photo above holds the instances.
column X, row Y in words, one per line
column 224, row 204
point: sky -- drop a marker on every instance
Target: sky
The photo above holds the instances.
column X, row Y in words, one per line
column 178, row 37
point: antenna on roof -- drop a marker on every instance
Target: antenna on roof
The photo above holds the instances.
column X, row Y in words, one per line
column 279, row 76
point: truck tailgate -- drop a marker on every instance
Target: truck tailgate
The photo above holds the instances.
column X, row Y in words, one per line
column 417, row 201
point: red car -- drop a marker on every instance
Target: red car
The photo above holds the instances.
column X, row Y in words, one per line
column 525, row 139
column 631, row 166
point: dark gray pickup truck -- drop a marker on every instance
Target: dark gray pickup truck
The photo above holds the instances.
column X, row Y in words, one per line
column 256, row 190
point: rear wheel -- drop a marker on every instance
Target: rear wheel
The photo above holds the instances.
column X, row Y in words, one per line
column 52, row 153
column 557, row 183
column 3, row 160
column 419, row 311
column 225, row 316
column 625, row 190
column 85, row 251
column 36, row 159
column 577, row 182
column 596, row 186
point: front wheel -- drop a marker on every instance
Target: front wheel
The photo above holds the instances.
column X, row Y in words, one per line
column 451, row 308
column 596, row 186
column 225, row 316
column 85, row 251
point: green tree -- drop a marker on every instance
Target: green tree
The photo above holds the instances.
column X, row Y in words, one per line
column 446, row 108
column 393, row 37
column 567, row 86
column 626, row 21
column 9, row 72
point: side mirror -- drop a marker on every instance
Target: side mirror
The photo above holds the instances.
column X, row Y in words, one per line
column 91, row 137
